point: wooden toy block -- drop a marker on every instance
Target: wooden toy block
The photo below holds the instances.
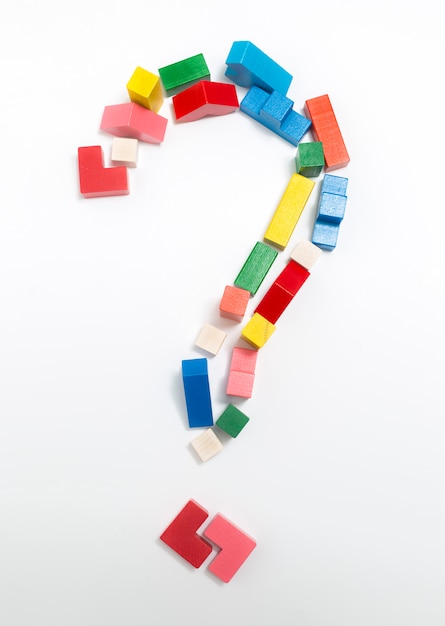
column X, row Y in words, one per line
column 292, row 277
column 235, row 547
column 206, row 445
column 325, row 234
column 258, row 331
column 145, row 89
column 124, row 151
column 242, row 372
column 256, row 267
column 232, row 420
column 96, row 180
column 210, row 339
column 331, row 207
column 306, row 254
column 247, row 65
column 334, row 184
column 274, row 111
column 309, row 160
column 274, row 303
column 133, row 120
column 234, row 303
column 289, row 210
column 181, row 535
column 243, row 360
column 197, row 392
column 326, row 129
column 240, row 384
column 182, row 74
column 205, row 98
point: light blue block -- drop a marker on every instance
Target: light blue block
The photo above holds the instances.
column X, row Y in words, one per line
column 334, row 184
column 197, row 392
column 274, row 111
column 331, row 207
column 248, row 66
column 325, row 234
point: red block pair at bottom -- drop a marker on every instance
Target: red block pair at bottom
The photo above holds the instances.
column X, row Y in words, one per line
column 182, row 537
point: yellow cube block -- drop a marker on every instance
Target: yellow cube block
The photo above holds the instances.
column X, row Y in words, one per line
column 145, row 89
column 257, row 330
column 289, row 210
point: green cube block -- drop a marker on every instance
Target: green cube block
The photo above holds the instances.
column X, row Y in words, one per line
column 310, row 159
column 232, row 420
column 178, row 76
column 256, row 267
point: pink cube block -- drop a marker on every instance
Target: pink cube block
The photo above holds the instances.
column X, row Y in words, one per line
column 244, row 360
column 135, row 121
column 240, row 384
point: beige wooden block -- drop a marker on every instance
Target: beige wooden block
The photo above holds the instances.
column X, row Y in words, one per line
column 210, row 338
column 206, row 445
column 124, row 151
column 306, row 254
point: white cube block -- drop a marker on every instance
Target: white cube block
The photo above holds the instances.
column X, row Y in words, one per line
column 306, row 254
column 124, row 151
column 206, row 445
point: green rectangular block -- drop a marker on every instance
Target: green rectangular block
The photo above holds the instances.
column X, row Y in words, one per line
column 310, row 159
column 256, row 267
column 178, row 76
column 232, row 420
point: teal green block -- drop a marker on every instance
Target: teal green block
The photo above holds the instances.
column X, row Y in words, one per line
column 178, row 76
column 310, row 159
column 255, row 268
column 232, row 421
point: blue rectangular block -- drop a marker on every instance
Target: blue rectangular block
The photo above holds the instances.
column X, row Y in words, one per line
column 274, row 111
column 248, row 65
column 331, row 207
column 197, row 392
column 334, row 184
column 325, row 234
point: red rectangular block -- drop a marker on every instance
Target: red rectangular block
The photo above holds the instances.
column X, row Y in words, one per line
column 292, row 277
column 274, row 303
column 205, row 98
column 325, row 128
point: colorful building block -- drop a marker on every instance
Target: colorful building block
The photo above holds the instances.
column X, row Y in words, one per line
column 331, row 207
column 232, row 420
column 309, row 160
column 124, row 151
column 182, row 74
column 242, row 372
column 334, row 184
column 145, row 89
column 247, row 65
column 197, row 392
column 255, row 267
column 275, row 112
column 306, row 254
column 235, row 547
column 206, row 445
column 325, row 128
column 210, row 339
column 325, row 234
column 133, row 120
column 289, row 210
column 234, row 302
column 257, row 331
column 272, row 306
column 181, row 535
column 205, row 98
column 96, row 180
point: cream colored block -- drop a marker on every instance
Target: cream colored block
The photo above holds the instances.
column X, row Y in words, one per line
column 206, row 445
column 124, row 151
column 210, row 339
column 306, row 254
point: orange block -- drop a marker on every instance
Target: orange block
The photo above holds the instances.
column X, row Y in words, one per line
column 234, row 303
column 325, row 128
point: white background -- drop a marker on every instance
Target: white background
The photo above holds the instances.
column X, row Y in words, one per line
column 339, row 475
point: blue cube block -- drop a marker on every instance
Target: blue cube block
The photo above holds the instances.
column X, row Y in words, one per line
column 331, row 207
column 334, row 184
column 325, row 234
column 197, row 392
column 275, row 110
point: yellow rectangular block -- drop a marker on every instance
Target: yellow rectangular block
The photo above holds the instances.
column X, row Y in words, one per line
column 257, row 330
column 289, row 210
